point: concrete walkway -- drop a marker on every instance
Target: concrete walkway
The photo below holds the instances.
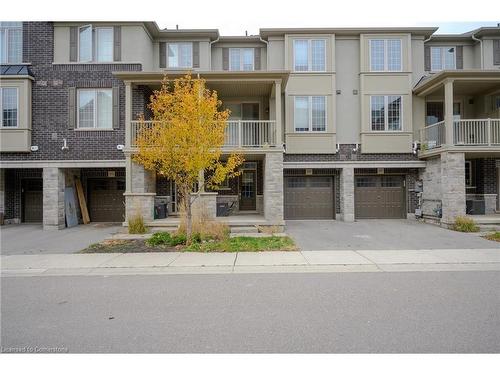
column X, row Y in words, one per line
column 246, row 262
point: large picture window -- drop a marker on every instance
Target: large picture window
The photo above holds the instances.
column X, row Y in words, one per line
column 11, row 42
column 386, row 112
column 385, row 55
column 309, row 55
column 95, row 109
column 310, row 113
column 9, row 107
column 180, row 55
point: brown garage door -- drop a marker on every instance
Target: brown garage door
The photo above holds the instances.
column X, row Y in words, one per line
column 379, row 197
column 106, row 201
column 32, row 200
column 309, row 197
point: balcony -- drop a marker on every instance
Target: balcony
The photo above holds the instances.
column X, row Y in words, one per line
column 470, row 132
column 249, row 134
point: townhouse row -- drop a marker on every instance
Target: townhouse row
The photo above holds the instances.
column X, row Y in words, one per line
column 334, row 123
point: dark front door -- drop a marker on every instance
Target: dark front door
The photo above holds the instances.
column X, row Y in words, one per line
column 32, row 200
column 248, row 191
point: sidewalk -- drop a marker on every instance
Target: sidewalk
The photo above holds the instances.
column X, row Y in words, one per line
column 246, row 262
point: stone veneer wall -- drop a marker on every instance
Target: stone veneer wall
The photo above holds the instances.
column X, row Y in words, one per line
column 273, row 187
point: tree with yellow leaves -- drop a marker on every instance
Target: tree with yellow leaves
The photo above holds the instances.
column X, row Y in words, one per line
column 186, row 138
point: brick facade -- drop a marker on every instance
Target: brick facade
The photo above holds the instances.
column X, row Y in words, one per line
column 50, row 102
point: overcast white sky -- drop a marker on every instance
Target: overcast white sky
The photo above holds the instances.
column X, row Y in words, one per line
column 233, row 17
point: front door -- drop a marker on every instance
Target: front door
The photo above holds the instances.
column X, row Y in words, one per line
column 247, row 191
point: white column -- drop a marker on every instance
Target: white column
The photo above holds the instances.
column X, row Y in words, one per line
column 448, row 111
column 53, row 198
column 279, row 125
column 347, row 194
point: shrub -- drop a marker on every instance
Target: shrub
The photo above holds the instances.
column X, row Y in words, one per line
column 159, row 238
column 206, row 228
column 136, row 224
column 465, row 224
column 178, row 239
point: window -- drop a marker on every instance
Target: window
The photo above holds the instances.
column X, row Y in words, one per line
column 385, row 55
column 468, row 174
column 435, row 112
column 310, row 113
column 386, row 113
column 102, row 51
column 11, row 42
column 95, row 108
column 442, row 58
column 180, row 55
column 309, row 55
column 104, row 41
column 9, row 105
column 241, row 59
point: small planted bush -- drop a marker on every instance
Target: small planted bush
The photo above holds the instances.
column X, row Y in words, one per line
column 465, row 224
column 159, row 238
column 136, row 225
column 166, row 239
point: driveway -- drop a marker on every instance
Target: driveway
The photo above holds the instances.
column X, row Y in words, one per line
column 380, row 235
column 32, row 239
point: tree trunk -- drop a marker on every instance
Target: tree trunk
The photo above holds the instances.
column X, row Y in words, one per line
column 189, row 216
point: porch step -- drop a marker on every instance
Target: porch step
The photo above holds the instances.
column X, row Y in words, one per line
column 244, row 229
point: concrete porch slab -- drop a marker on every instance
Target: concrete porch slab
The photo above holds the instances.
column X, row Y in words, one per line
column 334, row 257
column 204, row 259
column 271, row 258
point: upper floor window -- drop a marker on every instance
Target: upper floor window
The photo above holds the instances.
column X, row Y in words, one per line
column 11, row 42
column 180, row 55
column 241, row 59
column 95, row 109
column 385, row 55
column 95, row 44
column 310, row 113
column 309, row 55
column 443, row 58
column 386, row 112
column 9, row 107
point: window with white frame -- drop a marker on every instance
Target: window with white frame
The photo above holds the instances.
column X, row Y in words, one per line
column 180, row 55
column 442, row 58
column 9, row 107
column 11, row 42
column 309, row 55
column 385, row 55
column 241, row 59
column 386, row 112
column 310, row 113
column 95, row 48
column 95, row 109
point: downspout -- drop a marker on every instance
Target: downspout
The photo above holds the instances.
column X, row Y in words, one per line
column 212, row 42
column 481, row 48
column 267, row 51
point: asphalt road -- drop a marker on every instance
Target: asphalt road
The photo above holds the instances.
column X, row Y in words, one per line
column 330, row 312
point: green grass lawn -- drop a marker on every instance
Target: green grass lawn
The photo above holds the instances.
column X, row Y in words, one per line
column 244, row 244
column 227, row 245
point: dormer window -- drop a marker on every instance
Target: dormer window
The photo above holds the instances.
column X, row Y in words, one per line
column 443, row 58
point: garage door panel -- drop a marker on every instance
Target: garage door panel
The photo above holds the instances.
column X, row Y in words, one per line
column 309, row 197
column 379, row 197
column 106, row 200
